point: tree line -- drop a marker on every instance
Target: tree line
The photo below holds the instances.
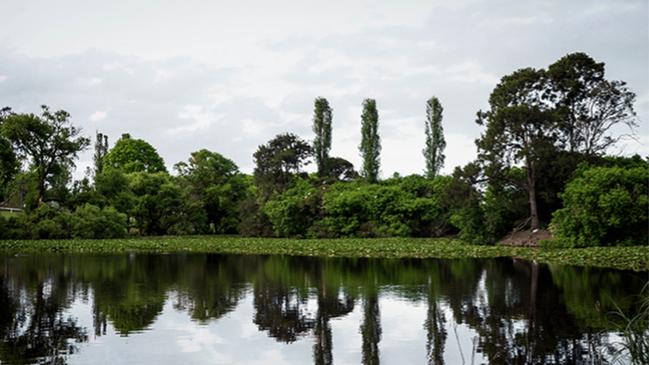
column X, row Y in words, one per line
column 541, row 163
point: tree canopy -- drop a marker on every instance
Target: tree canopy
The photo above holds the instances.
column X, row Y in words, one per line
column 49, row 142
column 370, row 146
column 435, row 143
column 278, row 160
column 133, row 155
column 322, row 129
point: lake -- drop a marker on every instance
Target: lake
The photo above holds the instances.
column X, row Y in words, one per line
column 236, row 309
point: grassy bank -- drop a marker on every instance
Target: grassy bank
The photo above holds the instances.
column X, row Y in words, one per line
column 632, row 258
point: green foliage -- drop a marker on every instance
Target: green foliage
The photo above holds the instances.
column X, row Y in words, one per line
column 253, row 221
column 293, row 212
column 370, row 146
column 604, row 206
column 213, row 188
column 8, row 166
column 9, row 163
column 91, row 221
column 467, row 211
column 48, row 221
column 520, row 128
column 157, row 203
column 411, row 206
column 322, row 130
column 435, row 143
column 12, row 226
column 101, row 149
column 339, row 169
column 112, row 188
column 588, row 105
column 49, row 141
column 133, row 155
column 278, row 162
column 629, row 258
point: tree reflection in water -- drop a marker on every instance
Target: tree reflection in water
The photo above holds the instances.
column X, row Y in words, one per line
column 520, row 312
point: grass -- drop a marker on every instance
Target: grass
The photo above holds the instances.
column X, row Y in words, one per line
column 629, row 258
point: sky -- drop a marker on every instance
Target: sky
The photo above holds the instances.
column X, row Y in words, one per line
column 230, row 75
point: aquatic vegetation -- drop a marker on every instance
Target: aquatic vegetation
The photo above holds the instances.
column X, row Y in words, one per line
column 631, row 258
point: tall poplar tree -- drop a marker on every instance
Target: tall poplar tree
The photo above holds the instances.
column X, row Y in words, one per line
column 101, row 149
column 322, row 130
column 370, row 143
column 435, row 143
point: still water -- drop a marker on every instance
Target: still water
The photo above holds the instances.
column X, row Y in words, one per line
column 230, row 309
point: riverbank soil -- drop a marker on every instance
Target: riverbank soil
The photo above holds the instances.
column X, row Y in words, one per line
column 526, row 238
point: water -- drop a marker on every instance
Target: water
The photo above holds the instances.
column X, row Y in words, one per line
column 228, row 309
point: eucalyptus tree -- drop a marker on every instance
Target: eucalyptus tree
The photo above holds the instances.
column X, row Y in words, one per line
column 521, row 128
column 589, row 106
column 322, row 129
column 435, row 143
column 370, row 146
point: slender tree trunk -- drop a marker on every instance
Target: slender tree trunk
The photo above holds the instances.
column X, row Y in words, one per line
column 531, row 192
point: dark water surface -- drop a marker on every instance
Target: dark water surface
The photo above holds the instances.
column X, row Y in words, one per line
column 228, row 309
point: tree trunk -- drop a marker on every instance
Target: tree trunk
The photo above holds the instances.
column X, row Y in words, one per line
column 531, row 192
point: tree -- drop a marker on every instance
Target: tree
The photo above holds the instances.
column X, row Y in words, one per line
column 435, row 143
column 604, row 206
column 50, row 142
column 589, row 105
column 101, row 149
column 370, row 146
column 322, row 130
column 520, row 128
column 158, row 202
column 214, row 184
column 340, row 169
column 133, row 155
column 277, row 162
column 9, row 163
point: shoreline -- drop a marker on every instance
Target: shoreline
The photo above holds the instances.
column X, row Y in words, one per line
column 634, row 258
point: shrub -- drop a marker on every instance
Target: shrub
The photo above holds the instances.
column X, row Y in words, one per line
column 90, row 221
column 293, row 212
column 603, row 206
column 48, row 221
column 12, row 226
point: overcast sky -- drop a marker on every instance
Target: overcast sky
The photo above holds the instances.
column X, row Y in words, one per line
column 230, row 75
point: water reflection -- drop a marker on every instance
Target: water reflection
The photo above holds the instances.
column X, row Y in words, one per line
column 476, row 311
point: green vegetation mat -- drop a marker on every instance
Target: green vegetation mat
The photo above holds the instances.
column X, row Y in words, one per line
column 631, row 258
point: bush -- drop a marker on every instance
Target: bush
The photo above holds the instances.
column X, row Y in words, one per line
column 253, row 222
column 158, row 204
column 90, row 221
column 48, row 221
column 12, row 226
column 293, row 212
column 410, row 206
column 603, row 206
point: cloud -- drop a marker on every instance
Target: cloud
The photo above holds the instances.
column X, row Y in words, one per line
column 229, row 88
column 98, row 116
